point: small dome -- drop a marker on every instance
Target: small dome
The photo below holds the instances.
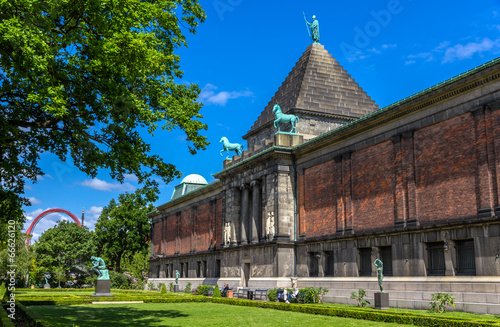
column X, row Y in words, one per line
column 194, row 179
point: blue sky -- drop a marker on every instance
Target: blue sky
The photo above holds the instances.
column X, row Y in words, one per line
column 245, row 49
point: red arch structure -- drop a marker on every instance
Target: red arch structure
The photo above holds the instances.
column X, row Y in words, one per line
column 45, row 213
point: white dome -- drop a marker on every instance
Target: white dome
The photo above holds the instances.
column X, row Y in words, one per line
column 194, row 179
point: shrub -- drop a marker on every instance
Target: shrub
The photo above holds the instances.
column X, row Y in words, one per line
column 440, row 301
column 217, row 291
column 360, row 297
column 313, row 294
column 187, row 289
column 163, row 288
column 203, row 290
column 139, row 285
column 171, row 287
column 119, row 280
column 151, row 286
column 271, row 294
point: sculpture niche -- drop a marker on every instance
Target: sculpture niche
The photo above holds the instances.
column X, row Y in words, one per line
column 280, row 117
column 226, row 146
column 103, row 283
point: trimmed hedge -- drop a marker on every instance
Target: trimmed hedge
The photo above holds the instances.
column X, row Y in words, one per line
column 366, row 314
column 5, row 321
column 357, row 313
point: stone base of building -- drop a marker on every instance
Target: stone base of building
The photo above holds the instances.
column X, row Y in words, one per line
column 102, row 288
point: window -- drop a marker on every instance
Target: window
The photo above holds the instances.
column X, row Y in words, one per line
column 365, row 262
column 186, row 270
column 217, row 268
column 435, row 264
column 199, row 270
column 313, row 264
column 466, row 259
column 329, row 263
column 182, row 270
column 158, row 271
column 386, row 257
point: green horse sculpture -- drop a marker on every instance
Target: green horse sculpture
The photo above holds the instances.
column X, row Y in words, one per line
column 226, row 146
column 282, row 118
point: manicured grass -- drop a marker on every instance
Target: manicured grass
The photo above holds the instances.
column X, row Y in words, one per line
column 184, row 314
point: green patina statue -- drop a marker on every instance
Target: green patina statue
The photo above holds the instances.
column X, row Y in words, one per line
column 100, row 268
column 226, row 146
column 380, row 267
column 282, row 118
column 177, row 277
column 47, row 277
column 314, row 26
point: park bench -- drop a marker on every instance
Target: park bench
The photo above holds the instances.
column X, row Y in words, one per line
column 260, row 295
column 242, row 293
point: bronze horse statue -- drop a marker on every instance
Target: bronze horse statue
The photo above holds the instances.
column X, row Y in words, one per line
column 282, row 118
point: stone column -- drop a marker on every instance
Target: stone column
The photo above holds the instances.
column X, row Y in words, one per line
column 255, row 212
column 245, row 197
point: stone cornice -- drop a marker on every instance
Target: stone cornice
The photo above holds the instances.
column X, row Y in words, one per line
column 213, row 186
column 273, row 152
column 299, row 111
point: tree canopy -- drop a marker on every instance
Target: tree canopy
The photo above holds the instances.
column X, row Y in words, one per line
column 79, row 78
column 65, row 247
column 124, row 227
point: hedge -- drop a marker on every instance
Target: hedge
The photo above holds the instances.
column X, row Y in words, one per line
column 366, row 314
column 357, row 313
column 5, row 321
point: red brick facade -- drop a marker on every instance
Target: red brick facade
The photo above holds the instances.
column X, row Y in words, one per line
column 198, row 229
column 440, row 173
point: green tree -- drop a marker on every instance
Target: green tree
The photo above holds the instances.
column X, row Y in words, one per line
column 66, row 246
column 123, row 226
column 21, row 258
column 84, row 79
column 137, row 264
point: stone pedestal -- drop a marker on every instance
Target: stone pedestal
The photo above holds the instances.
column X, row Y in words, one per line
column 176, row 288
column 102, row 288
column 381, row 301
column 46, row 286
column 288, row 140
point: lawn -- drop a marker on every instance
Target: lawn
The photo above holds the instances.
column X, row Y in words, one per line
column 184, row 314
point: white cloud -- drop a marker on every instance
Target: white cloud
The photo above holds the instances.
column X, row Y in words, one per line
column 131, row 177
column 409, row 62
column 101, row 185
column 34, row 200
column 429, row 55
column 460, row 51
column 91, row 216
column 387, row 46
column 209, row 95
column 28, row 187
column 42, row 178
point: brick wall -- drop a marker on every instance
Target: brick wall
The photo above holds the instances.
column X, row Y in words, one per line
column 171, row 235
column 186, row 229
column 317, row 195
column 204, row 226
column 157, row 237
column 445, row 170
column 373, row 187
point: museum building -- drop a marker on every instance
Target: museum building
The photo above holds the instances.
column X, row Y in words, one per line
column 415, row 184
